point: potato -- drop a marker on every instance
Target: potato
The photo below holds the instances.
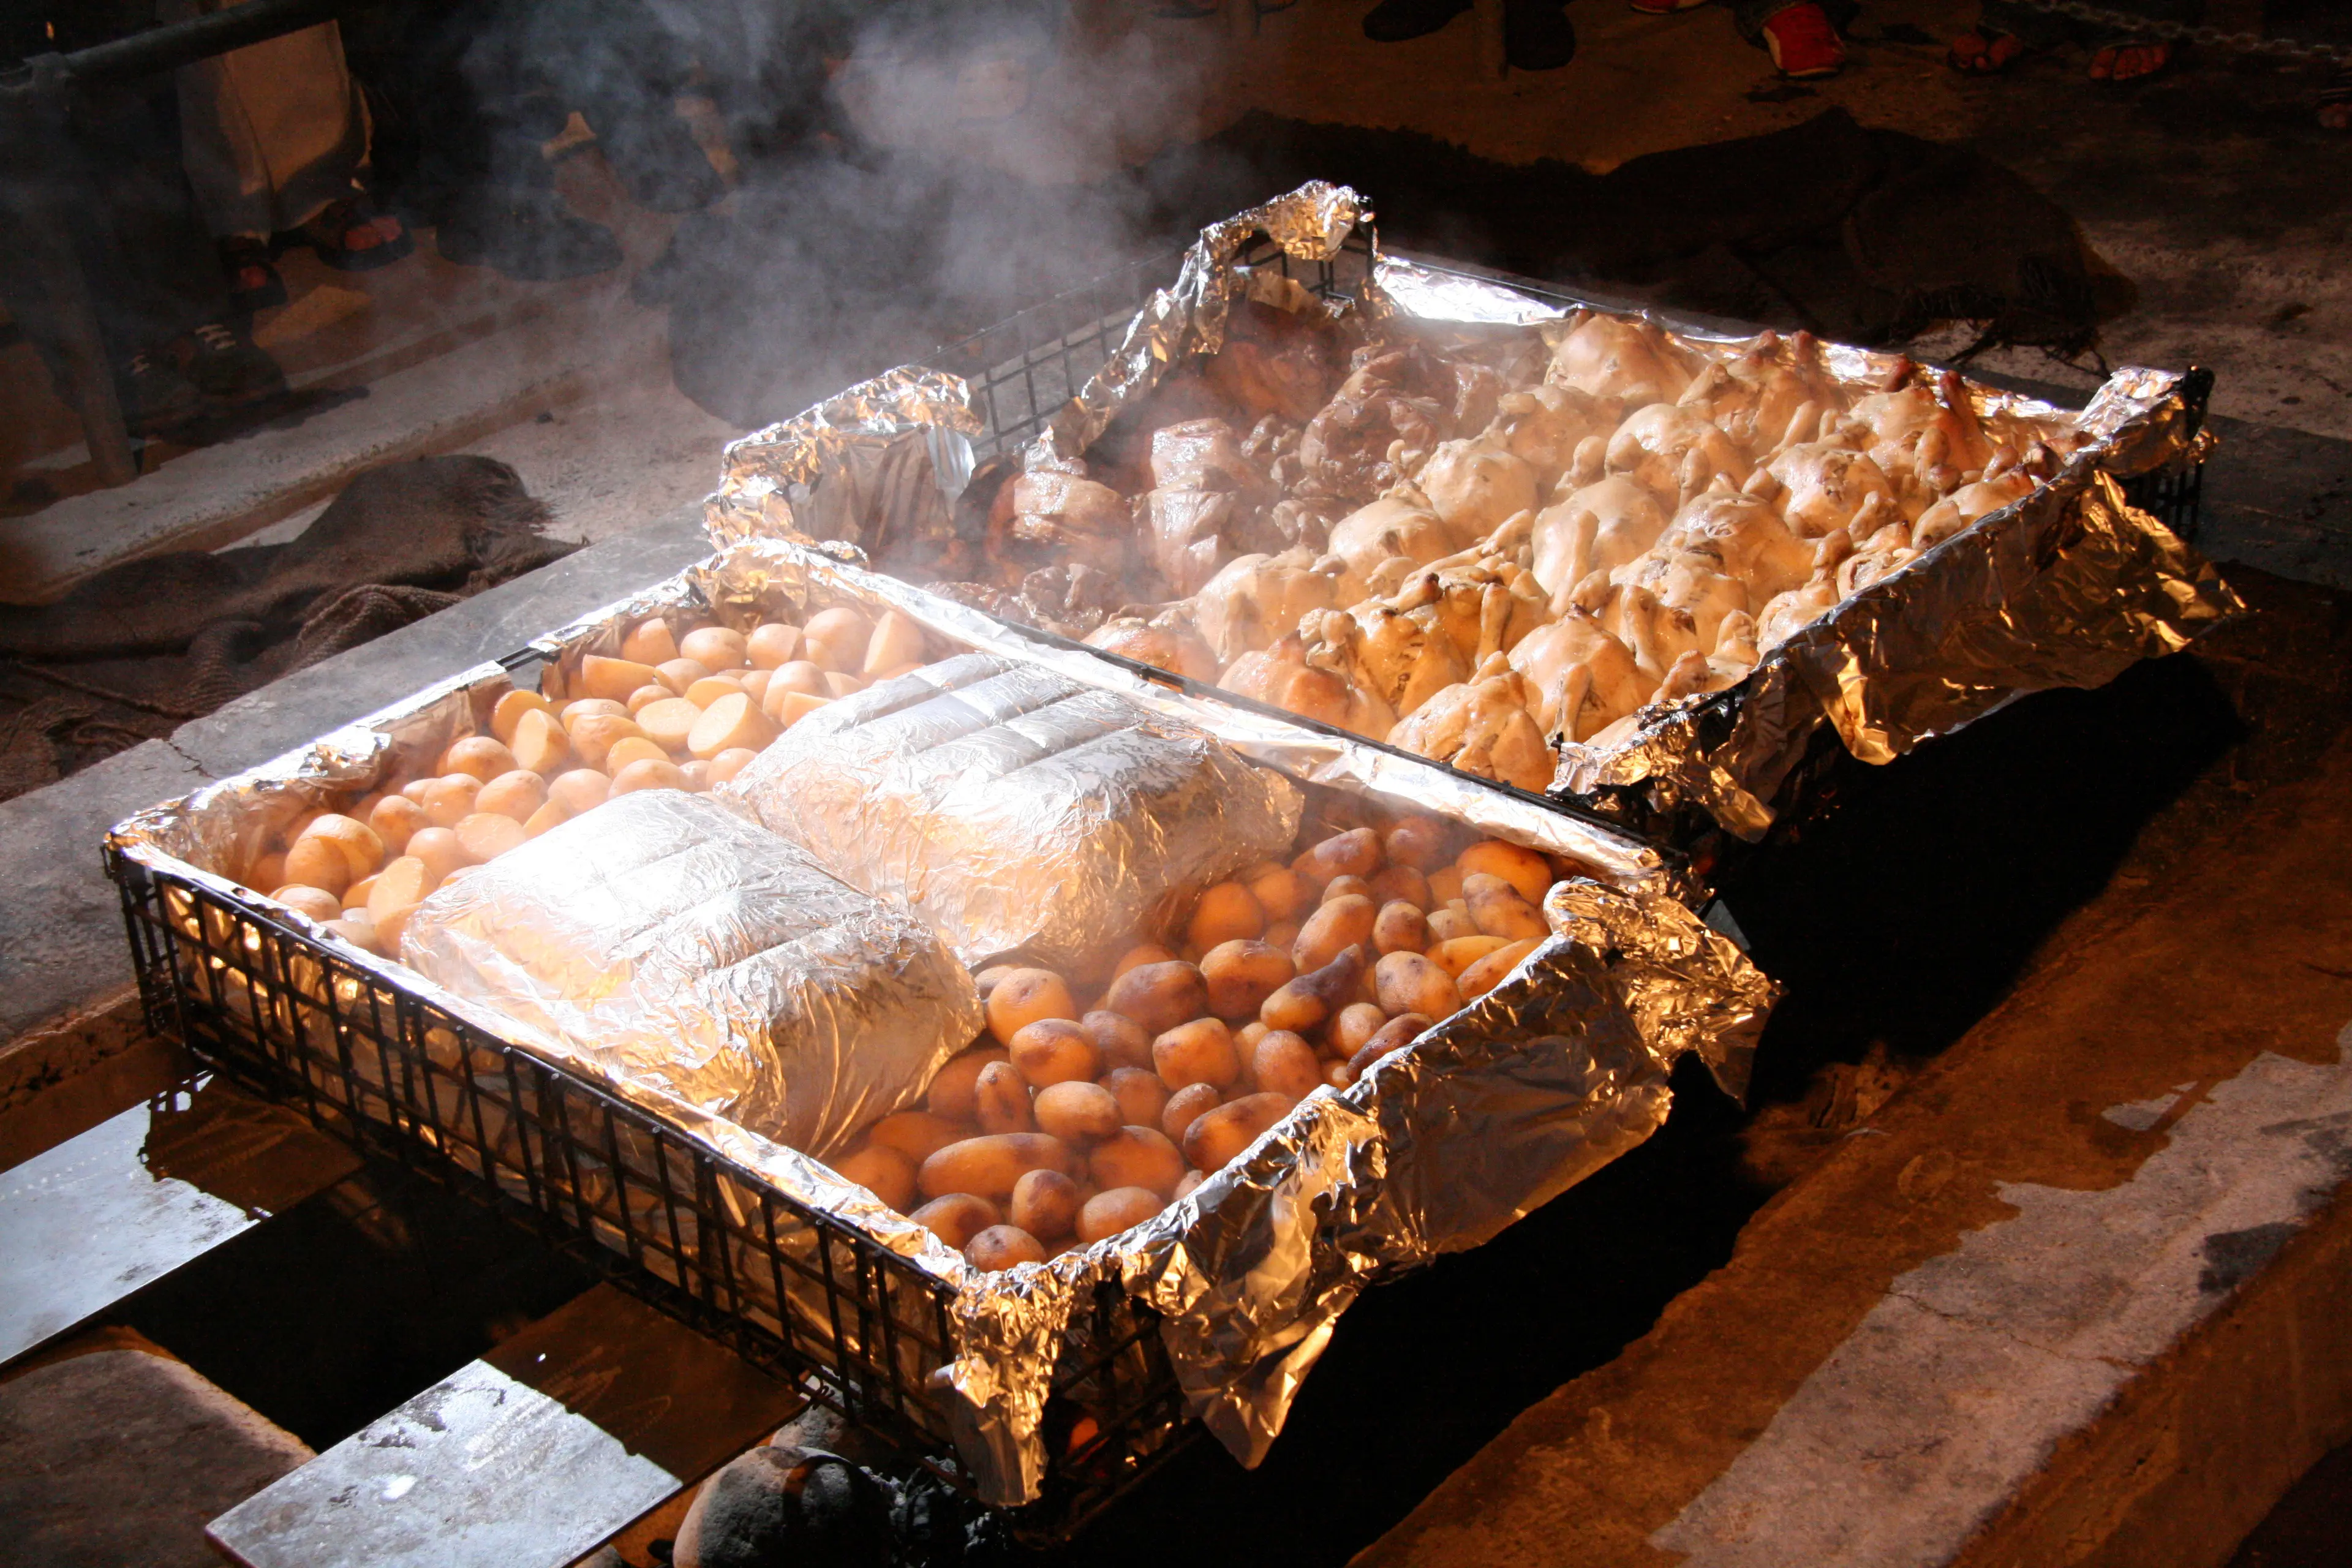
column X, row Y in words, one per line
column 1025, row 996
column 594, row 736
column 1449, row 923
column 711, row 688
column 362, row 849
column 1159, row 996
column 399, row 887
column 614, row 679
column 894, row 640
column 715, row 648
column 1488, row 971
column 1001, row 1100
column 1285, row 1064
column 1282, row 936
column 1138, row 955
column 1444, row 887
column 796, row 675
column 1240, row 976
column 507, row 717
column 987, row 1166
column 729, row 762
column 836, row 639
column 884, row 1171
column 649, row 642
column 394, row 818
column 794, row 707
column 571, row 713
column 1078, row 1112
column 1344, row 922
column 1400, row 928
column 1499, row 911
column 916, row 1134
column 1122, row 1042
column 668, row 723
column 1120, row 1208
column 837, row 684
column 1354, row 853
column 679, row 675
column 1280, row 891
column 1218, row 1137
column 1186, row 1106
column 448, row 799
column 315, row 902
column 1045, row 1204
column 486, row 834
column 773, row 644
column 1400, row 884
column 957, row 1217
column 1136, row 1157
column 551, row 815
column 1408, row 983
column 355, row 927
column 1306, row 1001
column 1525, row 870
column 478, row 755
column 1460, row 953
column 1416, row 842
column 580, row 789
column 442, row 853
column 648, row 772
column 1346, row 888
column 1393, row 1035
column 985, row 981
column 318, row 863
column 1193, row 1179
column 355, row 897
column 1226, row 913
column 515, row 794
column 953, row 1095
column 1000, row 1246
column 633, row 749
column 1141, row 1095
column 1054, row 1050
column 1357, row 1022
column 540, row 745
column 755, row 682
column 644, row 697
column 1199, row 1052
column 268, row 871
column 1246, row 1036
column 731, row 721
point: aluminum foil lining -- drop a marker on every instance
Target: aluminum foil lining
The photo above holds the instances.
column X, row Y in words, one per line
column 665, row 939
column 1558, row 1069
column 1021, row 814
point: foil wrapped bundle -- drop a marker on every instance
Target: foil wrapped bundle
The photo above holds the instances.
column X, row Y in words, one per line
column 671, row 943
column 1016, row 810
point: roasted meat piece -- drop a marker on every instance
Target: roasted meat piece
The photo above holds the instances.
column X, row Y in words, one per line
column 1483, row 727
column 1608, row 356
column 1170, row 647
column 1398, row 397
column 1205, row 495
column 1054, row 515
column 1273, row 362
column 1255, row 600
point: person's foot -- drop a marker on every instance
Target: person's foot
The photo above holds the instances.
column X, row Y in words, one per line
column 253, row 281
column 1537, row 36
column 528, row 234
column 156, row 396
column 1394, row 21
column 1803, row 43
column 1984, row 53
column 227, row 366
column 2129, row 62
column 351, row 236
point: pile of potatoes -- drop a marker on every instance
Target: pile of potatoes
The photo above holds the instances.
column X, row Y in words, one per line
column 1072, row 1124
column 681, row 707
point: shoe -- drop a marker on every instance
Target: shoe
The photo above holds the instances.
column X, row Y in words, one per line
column 1537, row 36
column 1394, row 21
column 527, row 234
column 227, row 366
column 155, row 395
column 351, row 236
column 1804, row 44
column 253, row 281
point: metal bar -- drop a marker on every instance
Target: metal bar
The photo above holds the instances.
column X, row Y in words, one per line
column 178, row 44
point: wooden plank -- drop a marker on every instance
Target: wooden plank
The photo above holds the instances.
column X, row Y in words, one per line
column 527, row 1459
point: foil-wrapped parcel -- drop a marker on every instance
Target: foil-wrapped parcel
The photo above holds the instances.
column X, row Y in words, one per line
column 667, row 940
column 1016, row 810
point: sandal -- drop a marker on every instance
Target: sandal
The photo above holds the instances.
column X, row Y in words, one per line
column 1985, row 52
column 2108, row 57
column 253, row 282
column 351, row 236
column 2336, row 101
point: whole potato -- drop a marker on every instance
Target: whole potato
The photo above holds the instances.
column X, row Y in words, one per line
column 1077, row 1111
column 1186, row 1106
column 1285, row 1064
column 954, row 1095
column 1462, row 952
column 1123, row 1042
column 1305, row 1003
column 1045, row 1204
column 987, row 1166
column 1024, row 996
column 580, row 789
column 916, row 1134
column 480, row 756
column 394, row 818
column 1346, row 888
column 1338, row 1074
column 1242, row 974
column 985, row 980
column 1117, row 1209
column 1159, row 996
column 1226, row 913
column 1449, row 923
column 487, row 835
column 507, row 717
column 1141, row 953
column 772, row 645
column 1247, row 1035
column 1280, row 891
column 1210, row 1142
column 450, row 800
column 649, row 642
column 1400, row 884
column 1141, row 1095
column 1282, row 935
column 1488, row 971
column 440, row 852
column 1394, row 1035
column 317, row 902
column 1193, row 1179
column 1400, row 927
column 1408, row 983
column 1136, row 1157
column 1499, row 911
column 1417, row 841
column 884, row 1171
column 1001, row 1100
column 714, row 647
column 315, row 863
column 1525, row 870
column 1342, row 923
column 957, row 1217
column 517, row 795
column 1199, row 1052
column 1354, row 853
column 1002, row 1246
column 1056, row 1050
column 1357, row 1022
column 595, row 735
column 1445, row 886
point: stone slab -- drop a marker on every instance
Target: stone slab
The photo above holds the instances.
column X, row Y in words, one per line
column 525, row 1458
column 2073, row 1296
column 2280, row 500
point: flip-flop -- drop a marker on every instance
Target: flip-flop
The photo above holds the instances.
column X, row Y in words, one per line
column 352, row 237
column 1988, row 59
column 2109, row 53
